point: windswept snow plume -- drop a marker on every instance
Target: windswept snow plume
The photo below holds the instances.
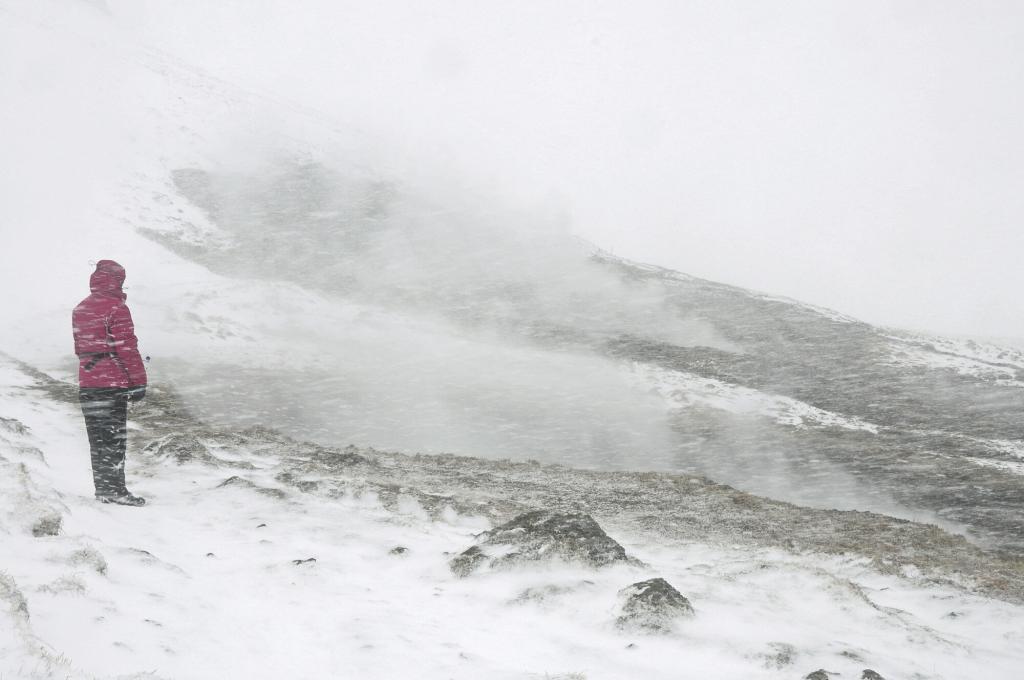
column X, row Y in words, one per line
column 426, row 247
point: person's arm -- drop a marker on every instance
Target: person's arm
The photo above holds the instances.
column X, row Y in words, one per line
column 126, row 346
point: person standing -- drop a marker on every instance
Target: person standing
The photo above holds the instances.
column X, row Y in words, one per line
column 110, row 374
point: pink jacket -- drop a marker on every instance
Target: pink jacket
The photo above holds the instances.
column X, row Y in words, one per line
column 105, row 342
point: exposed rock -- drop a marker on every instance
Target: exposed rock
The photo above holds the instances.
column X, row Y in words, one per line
column 820, row 674
column 47, row 525
column 869, row 674
column 89, row 557
column 308, row 560
column 263, row 434
column 780, row 656
column 152, row 560
column 11, row 597
column 398, row 550
column 544, row 593
column 181, row 447
column 465, row 564
column 235, row 480
column 241, row 482
column 541, row 535
column 652, row 606
column 335, row 459
column 303, row 485
column 13, row 425
column 30, row 452
column 64, row 584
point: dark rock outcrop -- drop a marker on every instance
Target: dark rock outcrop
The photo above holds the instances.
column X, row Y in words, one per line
column 541, row 535
column 820, row 674
column 48, row 524
column 652, row 606
column 869, row 674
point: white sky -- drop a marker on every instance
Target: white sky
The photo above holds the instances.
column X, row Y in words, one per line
column 867, row 156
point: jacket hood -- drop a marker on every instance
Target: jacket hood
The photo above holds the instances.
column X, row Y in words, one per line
column 107, row 279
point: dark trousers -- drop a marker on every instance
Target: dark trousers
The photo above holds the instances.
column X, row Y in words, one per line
column 106, row 419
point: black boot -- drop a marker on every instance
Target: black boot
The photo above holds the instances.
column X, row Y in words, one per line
column 122, row 499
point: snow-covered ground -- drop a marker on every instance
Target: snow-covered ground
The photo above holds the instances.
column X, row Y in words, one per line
column 684, row 390
column 202, row 583
column 1000, row 364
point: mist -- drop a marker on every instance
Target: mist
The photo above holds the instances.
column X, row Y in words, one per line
column 398, row 226
column 425, row 318
column 441, row 322
column 869, row 148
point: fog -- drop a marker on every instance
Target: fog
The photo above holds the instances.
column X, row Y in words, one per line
column 443, row 322
column 872, row 149
column 450, row 323
column 424, row 247
column 403, row 202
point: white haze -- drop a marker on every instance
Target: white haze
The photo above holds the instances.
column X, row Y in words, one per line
column 862, row 156
column 422, row 378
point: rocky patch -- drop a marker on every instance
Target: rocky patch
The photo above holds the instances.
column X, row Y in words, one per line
column 47, row 524
column 13, row 426
column 27, row 507
column 539, row 536
column 781, row 654
column 820, row 674
column 241, row 482
column 65, row 584
column 89, row 557
column 11, row 598
column 541, row 594
column 652, row 606
column 181, row 448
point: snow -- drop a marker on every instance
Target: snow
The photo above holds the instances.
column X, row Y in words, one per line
column 831, row 314
column 970, row 358
column 683, row 390
column 1010, row 466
